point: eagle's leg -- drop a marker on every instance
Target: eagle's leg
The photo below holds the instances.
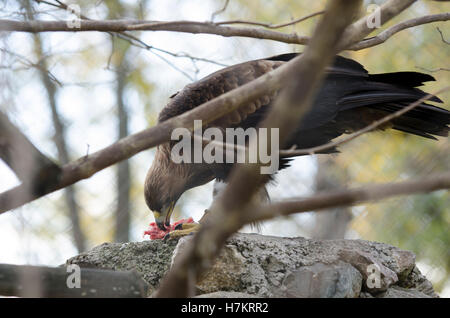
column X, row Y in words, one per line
column 182, row 229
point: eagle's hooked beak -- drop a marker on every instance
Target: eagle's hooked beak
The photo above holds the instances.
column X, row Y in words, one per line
column 162, row 218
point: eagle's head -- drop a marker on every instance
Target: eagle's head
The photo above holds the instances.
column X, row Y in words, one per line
column 166, row 181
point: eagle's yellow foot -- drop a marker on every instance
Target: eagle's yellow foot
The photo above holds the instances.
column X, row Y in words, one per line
column 182, row 229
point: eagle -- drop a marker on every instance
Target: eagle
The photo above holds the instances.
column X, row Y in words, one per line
column 349, row 99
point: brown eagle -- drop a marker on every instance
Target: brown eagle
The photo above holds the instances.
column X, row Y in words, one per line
column 350, row 99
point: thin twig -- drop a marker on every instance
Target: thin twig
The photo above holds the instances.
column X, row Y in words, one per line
column 213, row 15
column 386, row 34
column 270, row 25
column 433, row 70
column 25, row 61
column 442, row 36
column 135, row 41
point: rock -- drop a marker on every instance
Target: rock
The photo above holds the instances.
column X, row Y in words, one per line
column 377, row 276
column 151, row 259
column 267, row 266
column 340, row 280
column 415, row 280
column 400, row 292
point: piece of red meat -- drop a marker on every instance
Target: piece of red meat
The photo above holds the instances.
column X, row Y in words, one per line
column 156, row 233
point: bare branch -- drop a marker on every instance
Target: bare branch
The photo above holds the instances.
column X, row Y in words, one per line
column 432, row 70
column 270, row 25
column 38, row 65
column 135, row 41
column 361, row 28
column 442, row 36
column 386, row 34
column 220, row 10
column 347, row 197
column 387, row 11
column 34, row 169
column 43, row 281
column 246, row 179
column 137, row 25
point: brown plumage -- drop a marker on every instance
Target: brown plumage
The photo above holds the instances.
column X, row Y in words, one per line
column 348, row 100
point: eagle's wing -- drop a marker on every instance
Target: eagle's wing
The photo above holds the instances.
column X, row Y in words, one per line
column 350, row 98
column 218, row 83
column 229, row 78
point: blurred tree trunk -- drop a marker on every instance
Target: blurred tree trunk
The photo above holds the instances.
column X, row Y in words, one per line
column 118, row 60
column 122, row 231
column 59, row 136
column 331, row 224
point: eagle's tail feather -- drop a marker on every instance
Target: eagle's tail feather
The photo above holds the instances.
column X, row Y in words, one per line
column 424, row 121
column 390, row 92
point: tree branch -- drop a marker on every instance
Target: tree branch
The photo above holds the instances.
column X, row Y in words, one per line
column 220, row 10
column 386, row 34
column 133, row 40
column 138, row 25
column 442, row 36
column 246, row 179
column 42, row 281
column 387, row 11
column 270, row 25
column 347, row 197
column 34, row 169
column 361, row 28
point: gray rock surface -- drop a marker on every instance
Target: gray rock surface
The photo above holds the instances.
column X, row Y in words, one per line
column 339, row 280
column 151, row 259
column 226, row 294
column 267, row 266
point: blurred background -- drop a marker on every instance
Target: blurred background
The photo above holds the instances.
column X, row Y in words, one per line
column 75, row 93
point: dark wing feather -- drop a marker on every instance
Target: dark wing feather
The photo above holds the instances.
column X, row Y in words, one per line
column 217, row 84
column 406, row 79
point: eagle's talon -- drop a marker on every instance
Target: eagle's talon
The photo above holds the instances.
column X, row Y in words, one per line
column 179, row 227
column 183, row 229
column 166, row 237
